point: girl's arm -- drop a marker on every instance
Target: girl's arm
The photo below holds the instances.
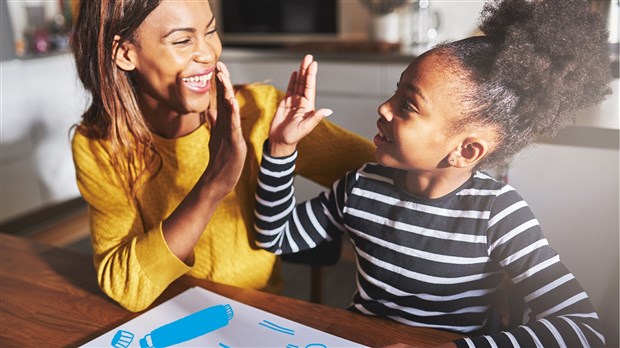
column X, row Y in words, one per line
column 561, row 312
column 284, row 227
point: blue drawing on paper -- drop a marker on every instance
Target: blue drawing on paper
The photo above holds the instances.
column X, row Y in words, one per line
column 276, row 327
column 189, row 327
column 223, row 345
column 122, row 339
column 315, row 345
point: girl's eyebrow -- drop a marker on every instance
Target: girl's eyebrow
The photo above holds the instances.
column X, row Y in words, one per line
column 410, row 86
column 417, row 91
column 187, row 29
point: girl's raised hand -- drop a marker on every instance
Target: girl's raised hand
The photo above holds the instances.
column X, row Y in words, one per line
column 295, row 117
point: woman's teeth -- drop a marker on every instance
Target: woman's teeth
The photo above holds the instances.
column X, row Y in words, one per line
column 198, row 80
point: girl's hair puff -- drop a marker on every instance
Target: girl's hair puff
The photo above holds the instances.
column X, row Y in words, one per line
column 539, row 62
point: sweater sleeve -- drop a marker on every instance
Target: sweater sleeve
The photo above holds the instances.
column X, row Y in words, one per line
column 134, row 266
column 561, row 312
column 281, row 225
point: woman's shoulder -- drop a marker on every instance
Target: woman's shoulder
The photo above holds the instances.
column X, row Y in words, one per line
column 84, row 144
column 258, row 94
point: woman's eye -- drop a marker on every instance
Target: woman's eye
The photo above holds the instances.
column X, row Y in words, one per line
column 211, row 32
column 182, row 42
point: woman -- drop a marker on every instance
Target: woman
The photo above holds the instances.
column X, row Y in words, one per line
column 166, row 161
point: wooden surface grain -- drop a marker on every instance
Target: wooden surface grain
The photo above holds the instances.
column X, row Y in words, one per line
column 50, row 298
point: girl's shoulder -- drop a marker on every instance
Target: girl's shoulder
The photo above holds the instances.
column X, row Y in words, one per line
column 374, row 176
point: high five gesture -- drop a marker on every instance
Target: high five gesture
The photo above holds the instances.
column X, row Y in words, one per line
column 295, row 117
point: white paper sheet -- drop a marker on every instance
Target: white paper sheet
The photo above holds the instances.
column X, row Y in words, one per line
column 199, row 313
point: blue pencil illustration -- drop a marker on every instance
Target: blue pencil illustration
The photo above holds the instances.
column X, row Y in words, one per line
column 189, row 327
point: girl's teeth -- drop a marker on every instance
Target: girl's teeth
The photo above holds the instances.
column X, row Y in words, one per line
column 384, row 137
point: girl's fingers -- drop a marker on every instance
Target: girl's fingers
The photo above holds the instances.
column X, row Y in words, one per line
column 290, row 89
column 310, row 85
column 323, row 113
column 301, row 78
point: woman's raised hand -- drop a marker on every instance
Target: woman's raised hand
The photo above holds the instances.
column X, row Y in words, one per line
column 295, row 117
column 227, row 147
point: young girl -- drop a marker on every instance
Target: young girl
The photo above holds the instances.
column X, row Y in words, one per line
column 159, row 162
column 433, row 235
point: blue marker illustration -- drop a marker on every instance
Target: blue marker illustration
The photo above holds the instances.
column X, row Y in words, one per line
column 189, row 327
column 122, row 339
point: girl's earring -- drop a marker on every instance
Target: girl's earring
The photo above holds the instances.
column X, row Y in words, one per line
column 451, row 160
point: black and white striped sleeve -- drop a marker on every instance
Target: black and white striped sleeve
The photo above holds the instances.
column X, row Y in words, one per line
column 561, row 312
column 282, row 226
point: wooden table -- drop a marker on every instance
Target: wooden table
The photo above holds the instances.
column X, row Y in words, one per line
column 49, row 297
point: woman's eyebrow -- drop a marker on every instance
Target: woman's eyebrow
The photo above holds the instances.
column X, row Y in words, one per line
column 187, row 29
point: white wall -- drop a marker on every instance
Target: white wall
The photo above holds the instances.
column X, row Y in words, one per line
column 40, row 100
column 574, row 193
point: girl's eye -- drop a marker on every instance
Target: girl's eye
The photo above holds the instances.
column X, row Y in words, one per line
column 407, row 105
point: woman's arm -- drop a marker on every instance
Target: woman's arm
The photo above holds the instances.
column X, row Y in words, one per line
column 135, row 265
column 227, row 151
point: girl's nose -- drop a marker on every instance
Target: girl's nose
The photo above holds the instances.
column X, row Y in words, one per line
column 385, row 111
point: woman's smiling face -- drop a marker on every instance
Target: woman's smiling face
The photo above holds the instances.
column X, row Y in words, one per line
column 175, row 52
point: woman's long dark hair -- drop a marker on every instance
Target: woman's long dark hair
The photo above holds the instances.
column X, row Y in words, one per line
column 114, row 114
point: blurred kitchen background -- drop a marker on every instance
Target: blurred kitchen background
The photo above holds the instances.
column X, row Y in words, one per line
column 571, row 182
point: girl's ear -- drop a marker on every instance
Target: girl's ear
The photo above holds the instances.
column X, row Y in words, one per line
column 468, row 153
column 124, row 54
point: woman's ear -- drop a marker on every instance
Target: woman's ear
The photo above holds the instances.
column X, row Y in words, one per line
column 123, row 55
column 469, row 152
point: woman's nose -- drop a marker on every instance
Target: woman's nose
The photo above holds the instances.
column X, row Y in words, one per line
column 204, row 52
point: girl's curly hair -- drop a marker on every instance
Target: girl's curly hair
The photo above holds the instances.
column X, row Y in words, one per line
column 539, row 62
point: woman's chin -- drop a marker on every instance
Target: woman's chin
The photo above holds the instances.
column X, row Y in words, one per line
column 197, row 107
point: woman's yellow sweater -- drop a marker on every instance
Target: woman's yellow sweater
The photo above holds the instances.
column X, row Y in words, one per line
column 133, row 262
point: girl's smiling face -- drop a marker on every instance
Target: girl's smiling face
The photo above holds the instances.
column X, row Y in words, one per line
column 174, row 56
column 416, row 123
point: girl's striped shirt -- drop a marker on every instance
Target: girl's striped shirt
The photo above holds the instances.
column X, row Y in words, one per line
column 433, row 263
